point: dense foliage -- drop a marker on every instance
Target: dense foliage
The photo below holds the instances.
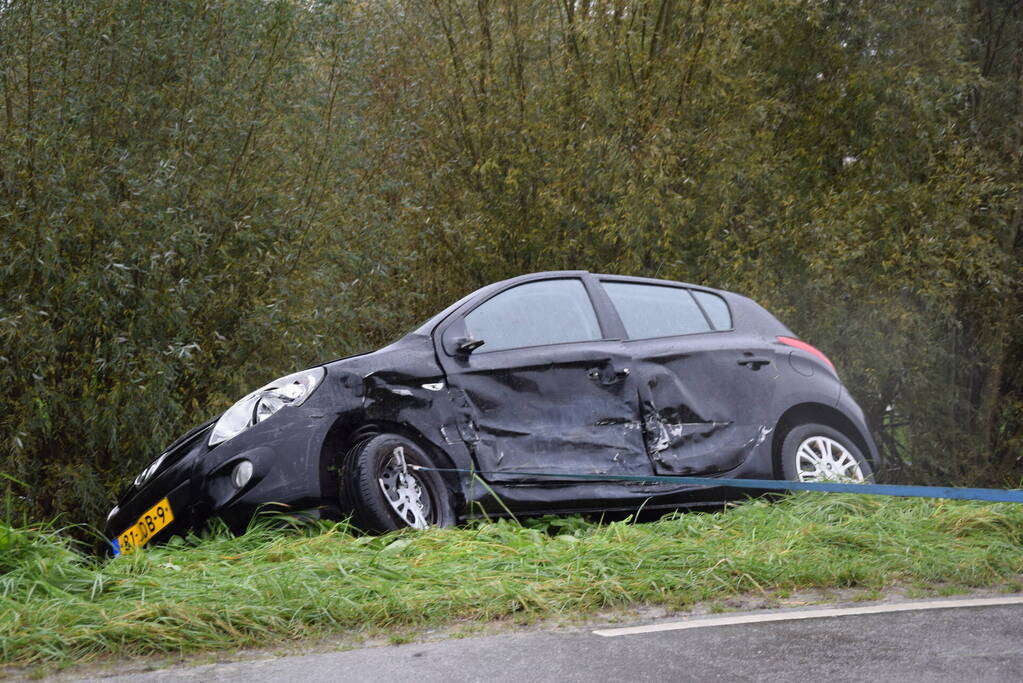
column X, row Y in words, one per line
column 195, row 197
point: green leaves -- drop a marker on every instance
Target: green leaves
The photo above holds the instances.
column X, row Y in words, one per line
column 162, row 183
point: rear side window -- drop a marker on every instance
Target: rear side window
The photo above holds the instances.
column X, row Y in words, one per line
column 533, row 314
column 716, row 309
column 655, row 311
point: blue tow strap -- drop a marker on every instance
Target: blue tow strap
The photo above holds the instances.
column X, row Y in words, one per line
column 947, row 492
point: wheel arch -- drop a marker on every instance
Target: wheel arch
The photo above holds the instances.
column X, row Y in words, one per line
column 817, row 413
column 347, row 432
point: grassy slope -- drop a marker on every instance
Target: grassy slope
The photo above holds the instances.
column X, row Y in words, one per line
column 222, row 592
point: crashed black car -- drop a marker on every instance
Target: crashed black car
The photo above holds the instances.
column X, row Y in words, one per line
column 559, row 373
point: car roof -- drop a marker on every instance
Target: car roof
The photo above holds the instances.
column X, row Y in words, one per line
column 550, row 274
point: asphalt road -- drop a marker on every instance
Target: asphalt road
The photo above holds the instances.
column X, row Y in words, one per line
column 951, row 643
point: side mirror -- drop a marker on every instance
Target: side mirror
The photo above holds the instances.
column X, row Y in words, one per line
column 466, row 345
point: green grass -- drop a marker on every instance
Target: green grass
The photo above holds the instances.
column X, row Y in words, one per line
column 58, row 605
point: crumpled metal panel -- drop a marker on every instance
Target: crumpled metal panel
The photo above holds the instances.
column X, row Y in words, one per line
column 403, row 384
column 577, row 413
column 695, row 419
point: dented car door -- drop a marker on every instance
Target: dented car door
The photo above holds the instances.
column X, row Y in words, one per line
column 539, row 388
column 705, row 395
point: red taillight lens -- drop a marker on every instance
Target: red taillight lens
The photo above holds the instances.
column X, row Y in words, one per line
column 797, row 344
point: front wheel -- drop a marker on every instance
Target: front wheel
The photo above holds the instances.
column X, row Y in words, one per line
column 814, row 452
column 387, row 494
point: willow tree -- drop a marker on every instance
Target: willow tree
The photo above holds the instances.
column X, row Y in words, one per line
column 819, row 156
column 168, row 171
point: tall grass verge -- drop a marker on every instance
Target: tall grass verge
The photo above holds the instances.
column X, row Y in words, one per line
column 59, row 604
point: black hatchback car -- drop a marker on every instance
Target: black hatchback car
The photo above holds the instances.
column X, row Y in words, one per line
column 556, row 374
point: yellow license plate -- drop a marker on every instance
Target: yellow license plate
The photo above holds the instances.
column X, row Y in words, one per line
column 142, row 531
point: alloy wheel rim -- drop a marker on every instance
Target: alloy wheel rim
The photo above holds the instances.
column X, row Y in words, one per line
column 821, row 458
column 404, row 490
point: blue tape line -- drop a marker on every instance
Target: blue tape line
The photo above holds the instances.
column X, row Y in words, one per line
column 901, row 491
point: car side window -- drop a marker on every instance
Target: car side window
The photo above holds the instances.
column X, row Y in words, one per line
column 656, row 311
column 715, row 308
column 533, row 314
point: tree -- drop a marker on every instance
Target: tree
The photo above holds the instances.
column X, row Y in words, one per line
column 822, row 157
column 167, row 171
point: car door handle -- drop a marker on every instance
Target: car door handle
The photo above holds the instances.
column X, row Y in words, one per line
column 597, row 376
column 754, row 363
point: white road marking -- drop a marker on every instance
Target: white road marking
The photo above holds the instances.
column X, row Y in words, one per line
column 704, row 622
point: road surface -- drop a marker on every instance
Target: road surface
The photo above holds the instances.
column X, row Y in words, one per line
column 948, row 640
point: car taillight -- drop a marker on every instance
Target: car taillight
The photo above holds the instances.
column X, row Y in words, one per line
column 798, row 344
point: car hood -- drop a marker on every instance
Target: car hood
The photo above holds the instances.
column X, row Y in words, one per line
column 412, row 356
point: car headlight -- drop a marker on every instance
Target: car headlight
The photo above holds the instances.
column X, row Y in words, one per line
column 147, row 474
column 292, row 390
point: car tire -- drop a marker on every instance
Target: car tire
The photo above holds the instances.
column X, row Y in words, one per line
column 383, row 498
column 815, row 452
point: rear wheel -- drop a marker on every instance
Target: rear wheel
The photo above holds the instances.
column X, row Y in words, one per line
column 814, row 452
column 386, row 490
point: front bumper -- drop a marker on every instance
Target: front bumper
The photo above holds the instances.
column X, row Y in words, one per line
column 288, row 471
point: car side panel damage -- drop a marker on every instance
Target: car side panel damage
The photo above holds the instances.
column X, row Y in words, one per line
column 693, row 422
column 573, row 410
column 401, row 388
